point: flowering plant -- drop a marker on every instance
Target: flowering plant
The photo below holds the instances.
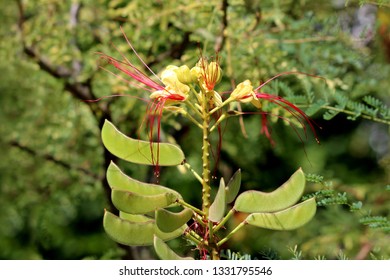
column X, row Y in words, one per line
column 148, row 213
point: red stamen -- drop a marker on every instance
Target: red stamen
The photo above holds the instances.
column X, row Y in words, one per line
column 291, row 108
column 143, row 81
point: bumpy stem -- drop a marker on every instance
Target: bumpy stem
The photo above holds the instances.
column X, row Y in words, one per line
column 206, row 156
column 206, row 189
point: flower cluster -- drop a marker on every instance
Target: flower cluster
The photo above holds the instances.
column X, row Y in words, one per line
column 178, row 85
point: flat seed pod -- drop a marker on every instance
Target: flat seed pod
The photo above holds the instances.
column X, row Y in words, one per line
column 233, row 187
column 140, row 204
column 134, row 217
column 218, row 208
column 168, row 221
column 120, row 181
column 135, row 234
column 281, row 198
column 166, row 253
column 138, row 151
column 288, row 219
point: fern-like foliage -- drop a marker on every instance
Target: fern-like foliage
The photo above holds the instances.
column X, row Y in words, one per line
column 331, row 105
column 235, row 256
column 377, row 222
column 297, row 254
column 369, row 108
column 328, row 197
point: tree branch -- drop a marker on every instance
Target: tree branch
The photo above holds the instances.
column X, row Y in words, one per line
column 220, row 40
column 55, row 71
column 73, row 22
column 80, row 90
column 175, row 51
column 54, row 160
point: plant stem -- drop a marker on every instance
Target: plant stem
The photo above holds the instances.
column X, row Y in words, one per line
column 185, row 204
column 206, row 188
column 224, row 103
column 193, row 237
column 205, row 156
column 189, row 104
column 348, row 112
column 224, row 220
column 197, row 176
column 227, row 237
column 191, row 118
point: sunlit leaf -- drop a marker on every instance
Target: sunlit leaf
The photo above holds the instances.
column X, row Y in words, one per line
column 218, row 208
column 135, row 234
column 288, row 219
column 164, row 252
column 168, row 221
column 138, row 151
column 284, row 196
column 134, row 203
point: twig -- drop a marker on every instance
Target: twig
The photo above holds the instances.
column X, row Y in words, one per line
column 301, row 40
column 51, row 158
column 220, row 40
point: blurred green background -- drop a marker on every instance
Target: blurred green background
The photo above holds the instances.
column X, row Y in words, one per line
column 52, row 169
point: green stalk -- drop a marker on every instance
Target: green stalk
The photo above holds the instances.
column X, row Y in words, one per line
column 224, row 220
column 193, row 238
column 205, row 156
column 206, row 189
column 224, row 103
column 348, row 112
column 185, row 204
column 197, row 176
column 227, row 237
column 191, row 118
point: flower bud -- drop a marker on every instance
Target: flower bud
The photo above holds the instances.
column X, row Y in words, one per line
column 209, row 73
column 172, row 84
column 217, row 99
column 214, row 72
column 184, row 75
column 196, row 73
column 243, row 92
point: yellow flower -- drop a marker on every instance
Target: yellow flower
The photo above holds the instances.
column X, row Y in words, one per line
column 185, row 76
column 244, row 93
column 174, row 90
column 208, row 73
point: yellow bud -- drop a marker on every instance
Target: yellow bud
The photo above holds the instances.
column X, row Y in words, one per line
column 168, row 75
column 243, row 92
column 196, row 72
column 214, row 72
column 172, row 83
column 184, row 75
column 217, row 99
column 209, row 73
